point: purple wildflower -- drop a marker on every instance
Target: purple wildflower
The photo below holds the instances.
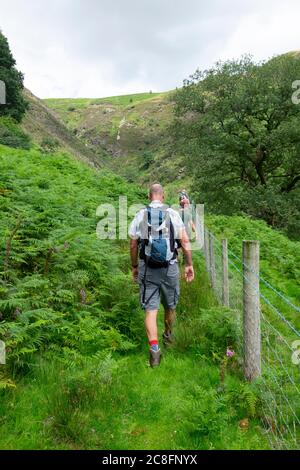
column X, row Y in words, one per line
column 229, row 353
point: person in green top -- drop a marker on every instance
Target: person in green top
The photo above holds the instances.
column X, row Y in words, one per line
column 185, row 213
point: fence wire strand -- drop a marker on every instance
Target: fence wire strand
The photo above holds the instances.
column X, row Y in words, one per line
column 279, row 383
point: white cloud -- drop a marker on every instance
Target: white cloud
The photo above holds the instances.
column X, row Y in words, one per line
column 105, row 47
column 272, row 30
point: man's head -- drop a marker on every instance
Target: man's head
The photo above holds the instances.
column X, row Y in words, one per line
column 183, row 198
column 156, row 192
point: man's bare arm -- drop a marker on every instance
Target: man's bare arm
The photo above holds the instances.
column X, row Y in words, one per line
column 134, row 252
column 186, row 247
column 134, row 257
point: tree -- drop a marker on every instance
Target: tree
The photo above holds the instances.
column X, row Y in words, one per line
column 240, row 130
column 15, row 103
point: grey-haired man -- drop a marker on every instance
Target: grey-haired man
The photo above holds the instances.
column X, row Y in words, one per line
column 158, row 280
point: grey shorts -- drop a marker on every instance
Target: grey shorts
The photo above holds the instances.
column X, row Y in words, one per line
column 159, row 283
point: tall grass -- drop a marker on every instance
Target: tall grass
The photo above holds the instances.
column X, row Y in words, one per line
column 78, row 375
column 116, row 401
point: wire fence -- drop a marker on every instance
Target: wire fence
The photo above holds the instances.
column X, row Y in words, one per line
column 279, row 381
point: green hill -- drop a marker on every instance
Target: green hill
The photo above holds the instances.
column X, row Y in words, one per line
column 74, row 370
column 44, row 128
column 132, row 131
column 77, row 374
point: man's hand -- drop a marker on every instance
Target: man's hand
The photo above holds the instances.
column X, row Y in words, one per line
column 135, row 272
column 189, row 273
column 186, row 247
column 134, row 258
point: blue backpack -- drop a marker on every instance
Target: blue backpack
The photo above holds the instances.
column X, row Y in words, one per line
column 157, row 243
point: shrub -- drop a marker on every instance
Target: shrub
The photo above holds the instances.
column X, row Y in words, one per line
column 49, row 145
column 12, row 135
column 211, row 332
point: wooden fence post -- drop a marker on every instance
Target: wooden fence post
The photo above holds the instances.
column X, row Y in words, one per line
column 206, row 250
column 225, row 279
column 212, row 262
column 2, row 352
column 252, row 334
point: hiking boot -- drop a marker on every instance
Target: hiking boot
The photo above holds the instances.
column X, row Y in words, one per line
column 168, row 339
column 155, row 357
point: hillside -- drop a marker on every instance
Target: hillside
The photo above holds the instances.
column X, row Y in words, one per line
column 43, row 126
column 74, row 349
column 77, row 374
column 71, row 321
column 132, row 130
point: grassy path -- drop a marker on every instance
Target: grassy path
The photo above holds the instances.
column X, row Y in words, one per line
column 180, row 405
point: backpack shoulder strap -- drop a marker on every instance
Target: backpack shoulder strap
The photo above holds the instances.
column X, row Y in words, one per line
column 144, row 225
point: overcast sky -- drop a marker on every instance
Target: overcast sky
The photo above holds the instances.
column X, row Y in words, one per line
column 97, row 48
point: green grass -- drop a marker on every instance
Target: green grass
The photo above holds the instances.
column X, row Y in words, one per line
column 47, row 131
column 121, row 403
column 142, row 152
column 279, row 257
column 280, row 267
column 82, row 103
column 139, row 408
column 77, row 375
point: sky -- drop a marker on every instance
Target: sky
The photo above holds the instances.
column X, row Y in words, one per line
column 98, row 48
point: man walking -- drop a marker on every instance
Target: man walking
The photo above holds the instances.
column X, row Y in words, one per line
column 156, row 232
column 185, row 213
